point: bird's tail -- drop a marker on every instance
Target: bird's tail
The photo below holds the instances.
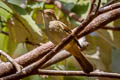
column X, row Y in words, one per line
column 85, row 64
column 82, row 60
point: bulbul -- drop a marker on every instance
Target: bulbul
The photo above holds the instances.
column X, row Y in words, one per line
column 57, row 31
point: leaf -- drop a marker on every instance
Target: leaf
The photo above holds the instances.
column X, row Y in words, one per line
column 11, row 47
column 105, row 53
column 20, row 49
column 3, row 41
column 17, row 2
column 98, row 49
column 49, row 6
column 116, row 36
column 38, row 5
column 81, row 8
column 5, row 11
column 16, row 30
column 22, row 27
column 109, row 37
column 68, row 4
column 92, row 44
column 37, row 16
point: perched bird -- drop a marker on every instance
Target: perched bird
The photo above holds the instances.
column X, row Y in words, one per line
column 57, row 31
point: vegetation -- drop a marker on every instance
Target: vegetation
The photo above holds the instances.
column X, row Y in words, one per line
column 22, row 36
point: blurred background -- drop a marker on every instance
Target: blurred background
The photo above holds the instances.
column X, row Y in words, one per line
column 22, row 30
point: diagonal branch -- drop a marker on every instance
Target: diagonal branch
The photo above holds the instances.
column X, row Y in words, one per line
column 14, row 63
column 26, row 59
column 108, row 8
column 110, row 2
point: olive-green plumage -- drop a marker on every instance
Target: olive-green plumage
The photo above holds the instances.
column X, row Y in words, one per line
column 55, row 31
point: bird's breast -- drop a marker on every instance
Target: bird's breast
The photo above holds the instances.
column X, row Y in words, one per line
column 55, row 32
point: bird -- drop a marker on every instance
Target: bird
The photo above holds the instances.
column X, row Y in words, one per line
column 57, row 31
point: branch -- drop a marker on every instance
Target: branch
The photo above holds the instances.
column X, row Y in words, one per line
column 26, row 59
column 5, row 33
column 109, row 8
column 111, row 28
column 110, row 2
column 100, row 21
column 70, row 14
column 99, row 2
column 92, row 6
column 78, row 73
column 14, row 63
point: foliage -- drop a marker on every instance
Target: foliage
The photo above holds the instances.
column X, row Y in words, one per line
column 23, row 22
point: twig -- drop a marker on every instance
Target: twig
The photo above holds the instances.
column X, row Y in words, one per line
column 15, row 64
column 109, row 8
column 6, row 33
column 32, row 43
column 94, row 8
column 27, row 58
column 91, row 6
column 111, row 28
column 70, row 14
column 98, row 6
column 100, row 21
column 110, row 2
column 78, row 73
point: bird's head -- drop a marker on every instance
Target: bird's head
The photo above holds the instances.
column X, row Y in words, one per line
column 49, row 14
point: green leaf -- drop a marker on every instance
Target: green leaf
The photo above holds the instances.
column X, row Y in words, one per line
column 17, row 2
column 68, row 4
column 11, row 47
column 91, row 49
column 17, row 9
column 39, row 5
column 5, row 11
column 22, row 27
column 3, row 41
column 81, row 8
column 17, row 31
column 20, row 49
